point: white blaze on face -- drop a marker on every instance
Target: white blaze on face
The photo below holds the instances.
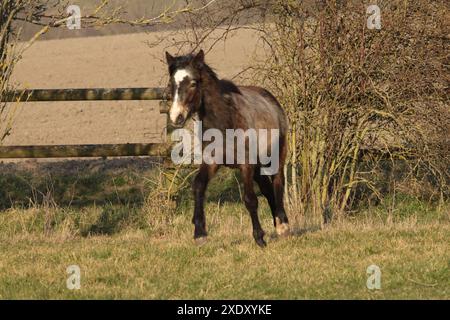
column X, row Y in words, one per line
column 177, row 107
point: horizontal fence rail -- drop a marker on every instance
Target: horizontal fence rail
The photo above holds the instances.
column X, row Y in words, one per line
column 85, row 151
column 99, row 94
column 100, row 150
column 88, row 150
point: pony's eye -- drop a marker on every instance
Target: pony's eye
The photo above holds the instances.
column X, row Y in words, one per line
column 193, row 83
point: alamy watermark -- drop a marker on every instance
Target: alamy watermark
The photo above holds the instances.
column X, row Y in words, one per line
column 374, row 280
column 74, row 21
column 73, row 282
column 374, row 20
column 235, row 147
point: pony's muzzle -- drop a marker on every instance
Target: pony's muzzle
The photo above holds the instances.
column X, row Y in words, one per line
column 178, row 114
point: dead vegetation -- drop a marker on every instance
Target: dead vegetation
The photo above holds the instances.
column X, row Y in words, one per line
column 360, row 101
column 368, row 108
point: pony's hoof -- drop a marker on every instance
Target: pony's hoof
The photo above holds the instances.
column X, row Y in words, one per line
column 261, row 243
column 201, row 241
column 283, row 229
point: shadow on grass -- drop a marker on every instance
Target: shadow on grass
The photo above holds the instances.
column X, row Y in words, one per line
column 80, row 183
column 225, row 187
column 76, row 183
column 112, row 220
column 296, row 231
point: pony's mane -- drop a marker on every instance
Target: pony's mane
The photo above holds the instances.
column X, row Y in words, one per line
column 226, row 86
column 210, row 72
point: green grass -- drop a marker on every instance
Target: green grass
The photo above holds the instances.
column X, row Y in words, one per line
column 160, row 261
column 130, row 246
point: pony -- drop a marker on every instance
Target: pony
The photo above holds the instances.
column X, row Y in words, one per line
column 198, row 93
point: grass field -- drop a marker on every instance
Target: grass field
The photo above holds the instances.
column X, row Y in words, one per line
column 147, row 252
column 131, row 235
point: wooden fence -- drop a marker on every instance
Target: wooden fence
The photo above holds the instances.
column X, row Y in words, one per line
column 93, row 150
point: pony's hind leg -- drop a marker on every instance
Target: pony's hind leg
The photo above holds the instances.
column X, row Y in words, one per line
column 251, row 202
column 206, row 172
column 266, row 188
column 282, row 222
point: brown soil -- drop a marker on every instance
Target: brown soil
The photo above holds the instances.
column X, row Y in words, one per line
column 123, row 60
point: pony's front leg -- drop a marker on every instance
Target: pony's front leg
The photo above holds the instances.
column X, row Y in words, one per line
column 201, row 180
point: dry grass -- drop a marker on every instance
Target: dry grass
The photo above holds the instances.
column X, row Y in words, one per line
column 151, row 254
column 143, row 247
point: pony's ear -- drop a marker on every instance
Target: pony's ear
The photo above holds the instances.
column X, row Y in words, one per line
column 170, row 59
column 199, row 59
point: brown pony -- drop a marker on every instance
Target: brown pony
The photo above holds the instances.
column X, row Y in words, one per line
column 221, row 105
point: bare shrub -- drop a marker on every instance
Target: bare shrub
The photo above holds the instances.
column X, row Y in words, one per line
column 357, row 96
column 367, row 107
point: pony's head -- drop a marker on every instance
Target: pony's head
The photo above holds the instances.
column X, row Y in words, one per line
column 185, row 80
